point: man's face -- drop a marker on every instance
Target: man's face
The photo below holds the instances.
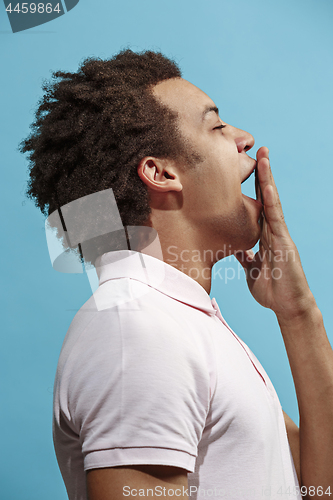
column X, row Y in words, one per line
column 212, row 199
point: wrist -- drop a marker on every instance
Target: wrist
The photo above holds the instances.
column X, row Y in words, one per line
column 305, row 310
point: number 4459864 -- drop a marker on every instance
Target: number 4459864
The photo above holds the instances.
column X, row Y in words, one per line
column 310, row 491
column 32, row 8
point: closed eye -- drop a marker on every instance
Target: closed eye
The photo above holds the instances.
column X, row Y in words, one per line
column 220, row 126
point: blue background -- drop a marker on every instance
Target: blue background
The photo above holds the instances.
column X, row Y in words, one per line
column 268, row 66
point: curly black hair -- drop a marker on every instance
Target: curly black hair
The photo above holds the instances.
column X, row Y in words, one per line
column 93, row 127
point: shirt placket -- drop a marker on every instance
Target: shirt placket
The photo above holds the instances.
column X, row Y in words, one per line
column 220, row 317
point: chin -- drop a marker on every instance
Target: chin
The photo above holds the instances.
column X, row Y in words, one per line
column 251, row 229
column 245, row 240
column 240, row 231
column 248, row 238
column 254, row 237
column 248, row 222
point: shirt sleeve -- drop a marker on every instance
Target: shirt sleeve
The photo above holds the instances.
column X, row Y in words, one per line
column 139, row 388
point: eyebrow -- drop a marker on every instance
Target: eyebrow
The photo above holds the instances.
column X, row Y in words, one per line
column 208, row 110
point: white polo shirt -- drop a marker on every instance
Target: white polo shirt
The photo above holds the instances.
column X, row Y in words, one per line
column 150, row 373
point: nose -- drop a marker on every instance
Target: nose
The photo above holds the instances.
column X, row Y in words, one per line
column 244, row 140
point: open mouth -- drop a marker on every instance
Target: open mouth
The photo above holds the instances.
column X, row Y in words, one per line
column 246, row 178
column 252, row 190
column 257, row 186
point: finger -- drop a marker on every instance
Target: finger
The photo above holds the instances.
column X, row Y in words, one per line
column 265, row 176
column 272, row 206
column 273, row 211
column 264, row 173
column 262, row 152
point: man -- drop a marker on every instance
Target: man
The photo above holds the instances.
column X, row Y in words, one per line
column 154, row 393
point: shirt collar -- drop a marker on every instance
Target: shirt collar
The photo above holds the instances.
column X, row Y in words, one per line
column 155, row 273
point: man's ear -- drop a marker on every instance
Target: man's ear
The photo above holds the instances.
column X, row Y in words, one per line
column 159, row 174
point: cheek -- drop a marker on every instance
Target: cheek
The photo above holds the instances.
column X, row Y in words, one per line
column 226, row 190
column 214, row 184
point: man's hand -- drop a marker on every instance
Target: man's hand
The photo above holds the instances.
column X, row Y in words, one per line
column 274, row 274
column 276, row 280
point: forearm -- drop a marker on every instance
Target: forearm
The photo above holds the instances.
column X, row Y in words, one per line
column 311, row 361
column 309, row 351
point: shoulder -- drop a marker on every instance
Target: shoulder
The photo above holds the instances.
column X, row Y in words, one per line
column 128, row 320
column 128, row 309
column 136, row 350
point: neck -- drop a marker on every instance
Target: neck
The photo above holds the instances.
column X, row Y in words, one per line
column 186, row 249
column 194, row 262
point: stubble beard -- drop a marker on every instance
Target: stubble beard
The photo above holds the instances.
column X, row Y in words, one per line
column 236, row 232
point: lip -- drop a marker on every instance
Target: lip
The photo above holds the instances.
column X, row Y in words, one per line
column 257, row 202
column 253, row 168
